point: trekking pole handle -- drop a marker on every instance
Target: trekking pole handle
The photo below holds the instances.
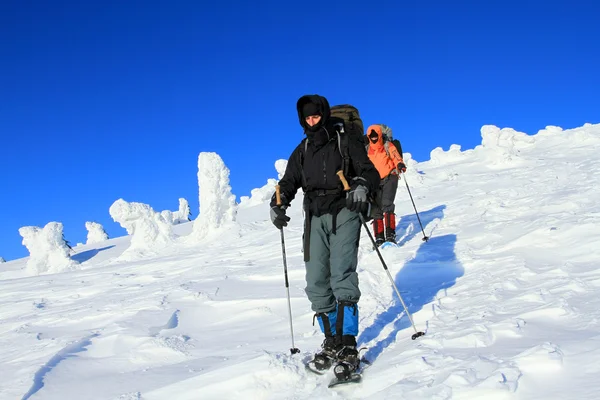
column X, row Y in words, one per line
column 340, row 173
column 278, row 194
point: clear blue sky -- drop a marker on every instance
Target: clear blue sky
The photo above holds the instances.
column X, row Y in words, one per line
column 101, row 100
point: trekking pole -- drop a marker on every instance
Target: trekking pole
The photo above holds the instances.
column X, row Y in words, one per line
column 293, row 350
column 425, row 238
column 362, row 219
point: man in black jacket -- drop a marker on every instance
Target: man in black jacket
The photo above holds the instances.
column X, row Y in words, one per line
column 332, row 225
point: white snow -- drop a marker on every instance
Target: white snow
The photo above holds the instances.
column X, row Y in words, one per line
column 180, row 216
column 96, row 233
column 48, row 251
column 280, row 166
column 507, row 291
column 218, row 208
column 183, row 213
column 260, row 195
column 149, row 231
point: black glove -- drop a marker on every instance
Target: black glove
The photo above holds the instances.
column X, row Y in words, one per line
column 278, row 217
column 401, row 167
column 356, row 198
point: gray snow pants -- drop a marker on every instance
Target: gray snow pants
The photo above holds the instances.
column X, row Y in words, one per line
column 331, row 269
column 384, row 199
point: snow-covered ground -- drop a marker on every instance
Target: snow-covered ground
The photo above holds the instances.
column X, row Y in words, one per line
column 507, row 290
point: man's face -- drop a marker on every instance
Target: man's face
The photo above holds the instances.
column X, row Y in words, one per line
column 373, row 136
column 312, row 120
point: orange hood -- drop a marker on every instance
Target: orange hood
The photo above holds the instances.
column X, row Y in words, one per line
column 377, row 129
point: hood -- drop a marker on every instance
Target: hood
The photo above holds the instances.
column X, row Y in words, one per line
column 377, row 129
column 315, row 99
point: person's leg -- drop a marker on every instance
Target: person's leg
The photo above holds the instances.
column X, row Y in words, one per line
column 319, row 291
column 388, row 196
column 344, row 279
column 344, row 282
column 377, row 213
column 318, row 288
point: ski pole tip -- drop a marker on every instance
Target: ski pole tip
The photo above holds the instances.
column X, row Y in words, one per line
column 294, row 350
column 417, row 335
column 425, row 238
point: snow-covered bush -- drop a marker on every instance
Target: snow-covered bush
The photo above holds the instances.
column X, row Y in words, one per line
column 96, row 233
column 49, row 252
column 217, row 204
column 148, row 229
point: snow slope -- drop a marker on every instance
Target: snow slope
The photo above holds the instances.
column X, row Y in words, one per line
column 507, row 290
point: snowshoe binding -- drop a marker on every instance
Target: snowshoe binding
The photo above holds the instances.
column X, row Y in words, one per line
column 347, row 367
column 323, row 360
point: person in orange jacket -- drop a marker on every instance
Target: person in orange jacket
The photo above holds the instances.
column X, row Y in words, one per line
column 387, row 158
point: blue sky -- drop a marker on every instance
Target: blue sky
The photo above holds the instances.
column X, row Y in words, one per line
column 101, row 100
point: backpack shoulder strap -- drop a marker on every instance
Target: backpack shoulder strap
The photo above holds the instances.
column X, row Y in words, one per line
column 302, row 152
column 343, row 147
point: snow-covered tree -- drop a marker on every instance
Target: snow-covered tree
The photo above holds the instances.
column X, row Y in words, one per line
column 96, row 232
column 180, row 216
column 148, row 229
column 2, row 260
column 183, row 214
column 49, row 252
column 217, row 204
column 67, row 242
column 168, row 216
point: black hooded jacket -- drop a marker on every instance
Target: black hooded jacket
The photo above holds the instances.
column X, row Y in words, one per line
column 315, row 170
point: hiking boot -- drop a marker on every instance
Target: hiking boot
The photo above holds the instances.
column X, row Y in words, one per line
column 324, row 359
column 390, row 227
column 378, row 232
column 390, row 235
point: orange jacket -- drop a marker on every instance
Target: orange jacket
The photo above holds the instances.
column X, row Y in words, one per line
column 384, row 162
